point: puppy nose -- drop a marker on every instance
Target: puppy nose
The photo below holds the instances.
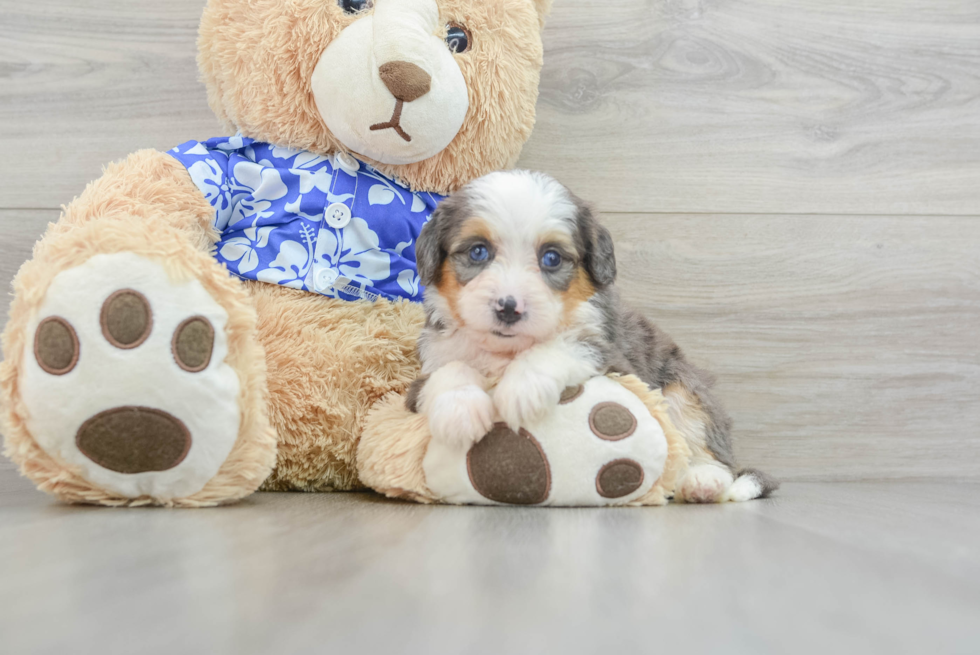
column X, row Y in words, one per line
column 507, row 310
column 405, row 80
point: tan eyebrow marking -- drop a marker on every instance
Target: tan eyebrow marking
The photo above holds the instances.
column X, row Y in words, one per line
column 476, row 227
column 558, row 238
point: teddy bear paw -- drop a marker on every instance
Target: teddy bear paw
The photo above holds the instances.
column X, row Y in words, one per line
column 599, row 446
column 125, row 378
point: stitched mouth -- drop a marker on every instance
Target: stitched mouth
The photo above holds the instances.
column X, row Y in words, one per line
column 395, row 122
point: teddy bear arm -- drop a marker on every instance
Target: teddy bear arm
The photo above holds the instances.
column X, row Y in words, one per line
column 148, row 186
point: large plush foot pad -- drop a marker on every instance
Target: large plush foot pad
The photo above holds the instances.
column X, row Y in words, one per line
column 601, row 446
column 126, row 380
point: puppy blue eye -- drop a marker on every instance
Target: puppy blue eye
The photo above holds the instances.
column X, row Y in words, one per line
column 551, row 259
column 355, row 6
column 479, row 253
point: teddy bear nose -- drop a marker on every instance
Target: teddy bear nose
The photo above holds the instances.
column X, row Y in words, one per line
column 405, row 80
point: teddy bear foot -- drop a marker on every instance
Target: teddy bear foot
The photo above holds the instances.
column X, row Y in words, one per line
column 600, row 446
column 125, row 379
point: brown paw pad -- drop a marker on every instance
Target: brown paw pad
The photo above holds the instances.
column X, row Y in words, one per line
column 570, row 394
column 619, row 478
column 193, row 343
column 507, row 467
column 612, row 421
column 56, row 346
column 126, row 319
column 134, row 440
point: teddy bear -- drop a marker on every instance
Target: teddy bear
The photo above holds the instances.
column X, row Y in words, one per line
column 205, row 321
column 219, row 318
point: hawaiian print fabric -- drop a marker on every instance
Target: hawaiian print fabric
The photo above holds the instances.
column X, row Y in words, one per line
column 330, row 225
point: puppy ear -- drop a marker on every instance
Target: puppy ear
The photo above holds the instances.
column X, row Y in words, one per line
column 597, row 244
column 429, row 253
column 430, row 249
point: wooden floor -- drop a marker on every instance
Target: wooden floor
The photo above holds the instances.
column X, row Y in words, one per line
column 865, row 568
column 794, row 186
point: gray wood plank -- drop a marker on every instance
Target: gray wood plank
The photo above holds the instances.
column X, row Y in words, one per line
column 845, row 347
column 352, row 572
column 86, row 82
column 689, row 106
column 769, row 106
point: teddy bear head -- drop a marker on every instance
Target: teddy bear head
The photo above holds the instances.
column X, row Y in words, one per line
column 433, row 92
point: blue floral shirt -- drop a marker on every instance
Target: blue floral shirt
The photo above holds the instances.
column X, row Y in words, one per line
column 330, row 225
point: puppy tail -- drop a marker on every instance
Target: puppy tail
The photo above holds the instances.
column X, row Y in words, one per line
column 751, row 484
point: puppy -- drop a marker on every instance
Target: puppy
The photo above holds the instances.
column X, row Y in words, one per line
column 520, row 299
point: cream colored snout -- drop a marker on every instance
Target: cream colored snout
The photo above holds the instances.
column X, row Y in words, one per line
column 389, row 88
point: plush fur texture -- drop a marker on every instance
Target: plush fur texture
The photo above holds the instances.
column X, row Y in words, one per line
column 329, row 361
column 395, row 440
column 257, row 59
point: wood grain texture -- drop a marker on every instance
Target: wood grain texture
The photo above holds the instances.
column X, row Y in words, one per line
column 822, row 568
column 769, row 106
column 86, row 82
column 845, row 347
column 647, row 105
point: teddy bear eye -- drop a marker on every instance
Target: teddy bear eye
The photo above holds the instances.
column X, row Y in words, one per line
column 355, row 6
column 457, row 38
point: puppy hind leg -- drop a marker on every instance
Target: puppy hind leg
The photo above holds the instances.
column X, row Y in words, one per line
column 706, row 428
column 749, row 485
column 705, row 483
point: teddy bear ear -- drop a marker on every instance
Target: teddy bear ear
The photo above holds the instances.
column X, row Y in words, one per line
column 543, row 7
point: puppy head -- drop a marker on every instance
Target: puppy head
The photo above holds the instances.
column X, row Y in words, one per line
column 511, row 256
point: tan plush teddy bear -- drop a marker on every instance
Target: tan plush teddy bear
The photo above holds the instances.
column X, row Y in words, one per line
column 199, row 319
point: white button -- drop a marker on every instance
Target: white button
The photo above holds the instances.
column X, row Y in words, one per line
column 325, row 279
column 348, row 163
column 338, row 215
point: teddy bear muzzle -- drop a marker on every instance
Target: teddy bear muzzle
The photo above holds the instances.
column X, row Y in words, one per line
column 388, row 86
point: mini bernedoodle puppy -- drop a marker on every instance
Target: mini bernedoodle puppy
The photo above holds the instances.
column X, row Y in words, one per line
column 521, row 303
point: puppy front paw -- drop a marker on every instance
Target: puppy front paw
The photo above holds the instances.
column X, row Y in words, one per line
column 461, row 416
column 525, row 396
